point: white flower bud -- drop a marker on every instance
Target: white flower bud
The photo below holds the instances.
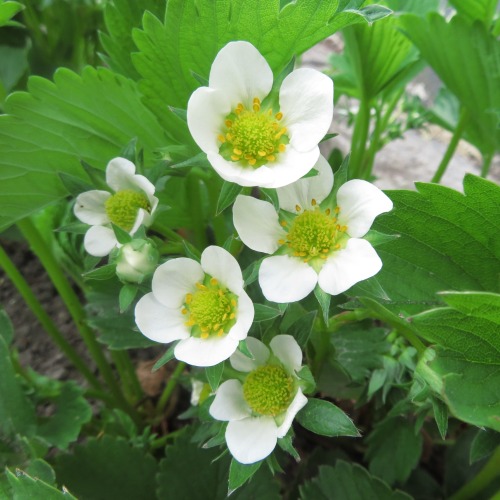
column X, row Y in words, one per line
column 136, row 260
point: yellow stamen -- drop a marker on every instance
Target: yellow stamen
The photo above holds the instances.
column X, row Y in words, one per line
column 262, row 153
column 237, row 151
column 284, row 223
column 313, row 202
column 252, row 161
column 189, row 298
column 228, row 123
column 297, row 207
column 270, row 157
column 279, row 115
column 200, row 286
column 213, row 281
column 221, row 138
column 281, row 148
column 235, row 158
column 204, row 335
column 184, row 310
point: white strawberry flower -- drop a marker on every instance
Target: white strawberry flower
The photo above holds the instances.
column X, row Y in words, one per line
column 312, row 242
column 131, row 205
column 251, row 138
column 203, row 305
column 260, row 408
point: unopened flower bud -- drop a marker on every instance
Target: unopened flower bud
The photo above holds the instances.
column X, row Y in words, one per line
column 136, row 260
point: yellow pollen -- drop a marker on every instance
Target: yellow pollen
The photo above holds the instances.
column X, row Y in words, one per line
column 189, row 298
column 281, row 242
column 281, row 148
column 279, row 115
column 213, row 281
column 337, row 210
column 328, row 211
column 221, row 138
column 204, row 335
column 297, row 207
column 235, row 158
column 284, row 223
column 262, row 153
column 313, row 202
column 184, row 310
column 271, row 157
column 252, row 161
column 228, row 123
column 237, row 151
column 200, row 286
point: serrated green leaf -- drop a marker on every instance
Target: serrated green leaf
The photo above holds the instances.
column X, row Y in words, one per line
column 456, row 48
column 484, row 444
column 108, row 468
column 71, row 413
column 348, row 481
column 326, row 419
column 52, row 127
column 393, row 450
column 239, row 474
column 227, row 195
column 26, row 487
column 214, row 375
column 121, row 17
column 448, row 241
column 17, row 414
column 265, row 313
column 176, row 479
column 6, row 328
column 360, row 350
column 193, row 33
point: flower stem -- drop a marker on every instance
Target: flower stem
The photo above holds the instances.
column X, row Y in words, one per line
column 452, row 146
column 214, row 186
column 359, row 138
column 170, row 387
column 73, row 305
column 128, row 376
column 487, row 157
column 193, row 187
column 45, row 320
column 487, row 474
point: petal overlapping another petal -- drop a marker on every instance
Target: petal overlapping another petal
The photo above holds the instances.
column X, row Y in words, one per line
column 90, row 207
column 229, row 403
column 288, row 351
column 220, row 264
column 99, row 241
column 243, row 363
column 205, row 352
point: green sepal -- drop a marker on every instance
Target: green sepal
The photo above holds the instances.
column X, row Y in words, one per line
column 168, row 356
column 214, row 375
column 127, row 295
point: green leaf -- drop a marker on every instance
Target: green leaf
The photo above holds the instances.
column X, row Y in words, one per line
column 484, row 444
column 227, row 195
column 301, row 328
column 176, row 479
column 14, row 66
column 393, row 449
column 420, row 7
column 167, row 356
column 326, row 419
column 440, row 416
column 127, row 296
column 72, row 412
column 102, row 273
column 8, row 10
column 448, row 241
column 469, row 327
column 194, row 32
column 359, row 350
column 121, row 17
column 458, row 48
column 108, row 468
column 26, row 487
column 6, row 328
column 74, row 185
column 51, row 128
column 17, row 414
column 214, row 374
column 348, row 481
column 239, row 474
column 324, row 300
column 482, row 10
column 265, row 313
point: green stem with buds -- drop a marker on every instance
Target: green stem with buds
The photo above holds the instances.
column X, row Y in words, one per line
column 45, row 320
column 452, row 146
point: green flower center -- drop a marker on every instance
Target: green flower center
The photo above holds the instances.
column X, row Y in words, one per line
column 252, row 137
column 268, row 390
column 122, row 207
column 210, row 310
column 315, row 234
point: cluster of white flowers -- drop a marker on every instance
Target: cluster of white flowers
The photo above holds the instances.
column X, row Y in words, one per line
column 254, row 135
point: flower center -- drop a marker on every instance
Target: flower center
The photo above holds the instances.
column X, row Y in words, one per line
column 252, row 137
column 122, row 207
column 211, row 310
column 268, row 390
column 314, row 234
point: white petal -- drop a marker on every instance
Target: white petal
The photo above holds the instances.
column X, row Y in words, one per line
column 303, row 191
column 174, row 279
column 251, row 439
column 360, row 202
column 220, row 264
column 141, row 183
column 291, row 166
column 159, row 323
column 206, row 111
column 257, row 224
column 142, row 218
column 244, row 176
column 229, row 403
column 306, row 101
column 299, row 401
column 243, row 363
column 90, row 207
column 99, row 241
column 358, row 261
column 286, row 279
column 119, row 171
column 205, row 352
column 286, row 349
column 241, row 73
column 244, row 317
